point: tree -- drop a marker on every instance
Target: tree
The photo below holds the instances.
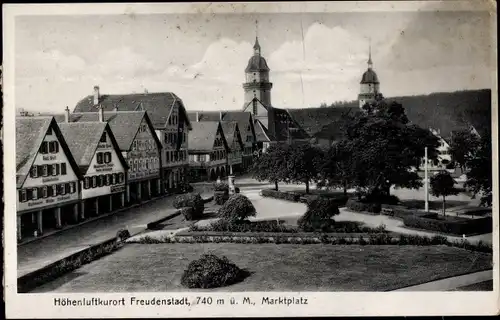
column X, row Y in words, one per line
column 271, row 165
column 384, row 147
column 303, row 162
column 443, row 185
column 335, row 170
column 479, row 177
column 463, row 145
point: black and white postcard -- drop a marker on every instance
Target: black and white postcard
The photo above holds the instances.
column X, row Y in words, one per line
column 250, row 159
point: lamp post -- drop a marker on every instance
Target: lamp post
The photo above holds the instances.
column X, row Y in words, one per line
column 426, row 178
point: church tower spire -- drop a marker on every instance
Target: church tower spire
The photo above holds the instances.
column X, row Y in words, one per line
column 257, row 86
column 369, row 85
column 370, row 63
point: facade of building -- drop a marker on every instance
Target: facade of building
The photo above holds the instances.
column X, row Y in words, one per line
column 104, row 170
column 138, row 144
column 208, row 151
column 169, row 118
column 235, row 147
column 47, row 177
column 246, row 126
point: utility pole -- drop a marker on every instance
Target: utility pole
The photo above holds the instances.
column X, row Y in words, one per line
column 426, row 178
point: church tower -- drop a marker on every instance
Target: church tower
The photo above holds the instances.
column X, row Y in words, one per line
column 257, row 86
column 369, row 85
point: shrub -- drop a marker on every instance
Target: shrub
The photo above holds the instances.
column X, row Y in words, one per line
column 220, row 197
column 362, row 205
column 188, row 213
column 122, row 234
column 211, row 271
column 221, row 186
column 457, row 227
column 290, row 196
column 247, row 226
column 318, row 216
column 237, row 208
column 192, row 200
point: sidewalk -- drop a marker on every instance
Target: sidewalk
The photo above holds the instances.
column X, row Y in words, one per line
column 453, row 282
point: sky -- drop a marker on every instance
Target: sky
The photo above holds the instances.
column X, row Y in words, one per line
column 314, row 57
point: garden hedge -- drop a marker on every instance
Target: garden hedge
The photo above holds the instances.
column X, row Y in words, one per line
column 319, row 214
column 357, row 205
column 468, row 226
column 193, row 200
column 290, row 196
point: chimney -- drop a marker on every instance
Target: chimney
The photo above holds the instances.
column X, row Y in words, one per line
column 101, row 114
column 96, row 95
column 220, row 116
column 197, row 116
column 66, row 115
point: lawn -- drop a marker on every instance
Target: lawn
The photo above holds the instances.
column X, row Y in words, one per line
column 285, row 267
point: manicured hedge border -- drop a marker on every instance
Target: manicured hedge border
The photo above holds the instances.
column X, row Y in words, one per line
column 400, row 212
column 304, row 198
column 54, row 270
column 471, row 226
column 363, row 207
column 339, row 239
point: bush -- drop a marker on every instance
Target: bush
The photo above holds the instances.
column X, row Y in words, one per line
column 220, row 197
column 188, row 213
column 237, row 208
column 192, row 200
column 361, row 205
column 221, row 186
column 290, row 196
column 247, row 226
column 460, row 227
column 400, row 211
column 211, row 271
column 122, row 234
column 318, row 216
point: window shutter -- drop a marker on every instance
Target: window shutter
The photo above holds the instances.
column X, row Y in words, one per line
column 48, row 168
column 63, row 168
column 29, row 194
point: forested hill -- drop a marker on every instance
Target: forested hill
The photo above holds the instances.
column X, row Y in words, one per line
column 446, row 111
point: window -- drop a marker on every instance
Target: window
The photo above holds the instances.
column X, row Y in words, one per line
column 202, row 157
column 63, row 189
column 55, row 169
column 99, row 158
column 34, row 193
column 44, row 170
column 103, row 138
column 108, row 179
column 113, row 179
column 72, row 187
column 63, row 168
column 44, row 147
column 121, row 177
column 87, row 183
column 107, row 157
column 94, row 181
column 100, row 181
column 45, row 192
column 147, row 164
column 34, row 172
column 23, row 196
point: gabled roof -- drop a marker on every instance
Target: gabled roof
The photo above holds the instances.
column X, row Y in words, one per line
column 261, row 132
column 202, row 137
column 124, row 124
column 30, row 133
column 250, row 104
column 243, row 118
column 230, row 128
column 83, row 138
column 159, row 105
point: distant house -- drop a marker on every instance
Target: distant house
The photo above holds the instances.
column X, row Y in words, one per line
column 235, row 146
column 170, row 121
column 47, row 177
column 208, row 151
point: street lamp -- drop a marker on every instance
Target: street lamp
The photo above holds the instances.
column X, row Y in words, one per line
column 426, row 185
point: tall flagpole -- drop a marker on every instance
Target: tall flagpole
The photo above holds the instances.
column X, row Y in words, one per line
column 426, row 177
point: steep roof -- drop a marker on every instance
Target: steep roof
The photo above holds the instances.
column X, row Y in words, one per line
column 369, row 77
column 243, row 118
column 261, row 132
column 249, row 104
column 229, row 129
column 202, row 137
column 257, row 63
column 158, row 105
column 124, row 124
column 30, row 132
column 83, row 138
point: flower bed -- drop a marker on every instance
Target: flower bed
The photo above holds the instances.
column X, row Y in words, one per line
column 449, row 224
column 46, row 274
column 315, row 238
